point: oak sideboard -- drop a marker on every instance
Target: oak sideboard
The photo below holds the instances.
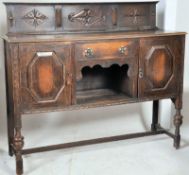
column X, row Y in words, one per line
column 70, row 56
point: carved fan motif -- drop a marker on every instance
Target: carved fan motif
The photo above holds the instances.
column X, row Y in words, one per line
column 35, row 18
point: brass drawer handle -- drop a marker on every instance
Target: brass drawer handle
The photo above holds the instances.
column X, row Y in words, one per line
column 89, row 52
column 122, row 49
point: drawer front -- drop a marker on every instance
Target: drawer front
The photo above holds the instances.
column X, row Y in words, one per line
column 106, row 50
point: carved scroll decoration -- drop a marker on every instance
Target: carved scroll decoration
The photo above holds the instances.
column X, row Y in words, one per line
column 86, row 17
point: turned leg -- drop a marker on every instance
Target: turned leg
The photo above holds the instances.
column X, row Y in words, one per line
column 10, row 133
column 177, row 122
column 155, row 111
column 18, row 145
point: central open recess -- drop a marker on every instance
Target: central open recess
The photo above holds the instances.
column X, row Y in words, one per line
column 99, row 83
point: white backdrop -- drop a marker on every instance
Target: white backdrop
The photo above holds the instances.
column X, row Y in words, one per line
column 61, row 127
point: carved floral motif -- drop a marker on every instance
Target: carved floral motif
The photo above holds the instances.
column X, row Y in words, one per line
column 35, row 18
column 135, row 15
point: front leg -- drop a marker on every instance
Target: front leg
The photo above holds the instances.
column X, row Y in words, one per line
column 155, row 111
column 177, row 121
column 18, row 145
column 10, row 128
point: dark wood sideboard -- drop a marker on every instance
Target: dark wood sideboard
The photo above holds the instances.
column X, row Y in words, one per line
column 67, row 56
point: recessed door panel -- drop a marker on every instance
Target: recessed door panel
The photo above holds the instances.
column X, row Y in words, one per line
column 45, row 70
column 159, row 63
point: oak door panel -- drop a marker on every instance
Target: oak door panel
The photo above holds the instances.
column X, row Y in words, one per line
column 45, row 73
column 159, row 63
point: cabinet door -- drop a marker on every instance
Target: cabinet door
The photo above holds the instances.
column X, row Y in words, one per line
column 45, row 75
column 160, row 66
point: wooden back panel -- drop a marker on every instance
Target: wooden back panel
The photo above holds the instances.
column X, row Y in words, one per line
column 68, row 18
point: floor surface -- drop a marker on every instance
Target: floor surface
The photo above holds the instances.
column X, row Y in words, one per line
column 153, row 155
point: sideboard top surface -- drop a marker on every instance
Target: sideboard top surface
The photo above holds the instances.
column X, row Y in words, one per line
column 97, row 36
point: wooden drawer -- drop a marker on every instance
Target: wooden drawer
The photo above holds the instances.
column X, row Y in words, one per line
column 106, row 50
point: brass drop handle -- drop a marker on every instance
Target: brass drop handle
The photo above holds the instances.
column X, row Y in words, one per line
column 89, row 52
column 122, row 49
column 141, row 74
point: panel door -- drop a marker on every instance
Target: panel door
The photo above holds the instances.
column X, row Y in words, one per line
column 46, row 75
column 160, row 66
